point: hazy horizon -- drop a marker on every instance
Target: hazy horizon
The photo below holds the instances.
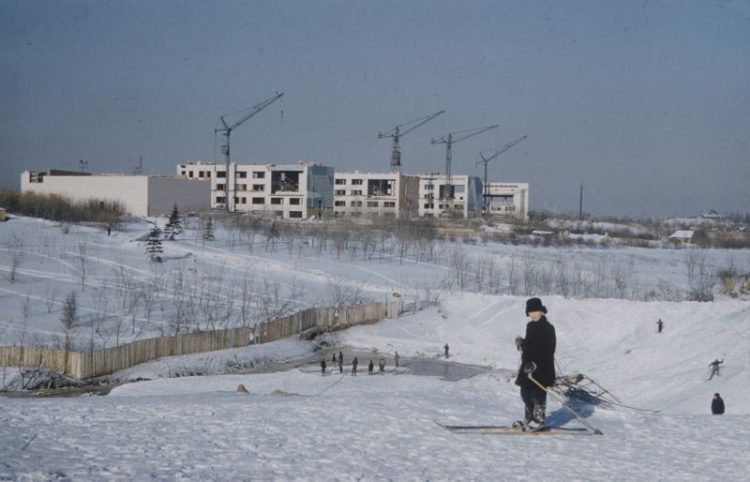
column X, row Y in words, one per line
column 647, row 104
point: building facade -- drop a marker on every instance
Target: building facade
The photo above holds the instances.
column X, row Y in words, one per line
column 459, row 196
column 508, row 199
column 389, row 194
column 140, row 195
column 288, row 191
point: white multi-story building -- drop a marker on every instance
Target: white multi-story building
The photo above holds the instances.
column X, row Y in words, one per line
column 508, row 199
column 390, row 194
column 439, row 197
column 140, row 195
column 288, row 191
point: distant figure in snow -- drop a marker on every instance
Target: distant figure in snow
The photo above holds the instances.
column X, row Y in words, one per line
column 659, row 326
column 446, row 350
column 715, row 367
column 109, row 229
column 396, row 358
column 370, row 367
column 717, row 405
column 355, row 362
column 341, row 363
column 334, row 358
column 322, row 367
column 381, row 365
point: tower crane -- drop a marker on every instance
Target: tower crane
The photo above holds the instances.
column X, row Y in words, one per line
column 452, row 138
column 226, row 130
column 486, row 160
column 396, row 133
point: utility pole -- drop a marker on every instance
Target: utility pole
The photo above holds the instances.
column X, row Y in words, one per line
column 580, row 204
column 226, row 131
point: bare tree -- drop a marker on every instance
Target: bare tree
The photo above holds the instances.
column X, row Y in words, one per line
column 68, row 320
column 82, row 255
column 14, row 246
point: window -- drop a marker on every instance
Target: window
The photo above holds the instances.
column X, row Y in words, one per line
column 372, row 204
column 340, row 192
column 295, row 201
column 259, row 188
column 200, row 174
column 243, row 200
column 221, row 173
column 190, row 174
column 356, row 204
column 183, row 173
column 429, row 206
column 339, row 182
column 356, row 182
column 208, row 174
column 219, row 199
column 340, row 203
column 259, row 175
column 295, row 214
column 277, row 200
column 240, row 187
column 389, row 204
column 241, row 174
column 220, row 187
column 356, row 192
column 259, row 200
column 429, row 187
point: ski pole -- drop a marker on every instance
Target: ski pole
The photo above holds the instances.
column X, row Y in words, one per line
column 530, row 369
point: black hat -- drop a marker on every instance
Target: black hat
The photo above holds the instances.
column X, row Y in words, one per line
column 535, row 304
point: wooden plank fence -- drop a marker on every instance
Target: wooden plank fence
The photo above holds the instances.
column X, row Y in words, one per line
column 82, row 365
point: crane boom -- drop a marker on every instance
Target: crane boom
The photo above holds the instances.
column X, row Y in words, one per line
column 226, row 131
column 449, row 140
column 485, row 161
column 396, row 133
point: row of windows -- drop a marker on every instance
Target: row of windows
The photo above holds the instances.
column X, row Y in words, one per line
column 355, row 182
column 294, row 201
column 222, row 174
column 443, row 206
column 342, row 192
column 370, row 204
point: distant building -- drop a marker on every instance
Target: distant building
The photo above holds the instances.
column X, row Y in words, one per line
column 389, row 194
column 288, row 191
column 439, row 197
column 140, row 195
column 508, row 199
column 682, row 236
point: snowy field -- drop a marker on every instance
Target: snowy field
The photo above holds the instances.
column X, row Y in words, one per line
column 299, row 425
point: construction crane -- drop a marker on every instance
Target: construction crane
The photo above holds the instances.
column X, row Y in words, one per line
column 226, row 130
column 485, row 161
column 452, row 138
column 396, row 133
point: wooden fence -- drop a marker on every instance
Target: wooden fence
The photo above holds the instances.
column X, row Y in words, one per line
column 84, row 365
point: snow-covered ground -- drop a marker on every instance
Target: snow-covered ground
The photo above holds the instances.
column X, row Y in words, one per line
column 299, row 425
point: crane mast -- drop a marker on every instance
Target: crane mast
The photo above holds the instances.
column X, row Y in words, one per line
column 226, row 130
column 452, row 138
column 485, row 161
column 396, row 133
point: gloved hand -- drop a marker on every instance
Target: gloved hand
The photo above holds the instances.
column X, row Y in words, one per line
column 529, row 368
column 519, row 343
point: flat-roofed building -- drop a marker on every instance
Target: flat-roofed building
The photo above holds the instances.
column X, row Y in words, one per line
column 458, row 197
column 288, row 191
column 140, row 195
column 389, row 194
column 508, row 199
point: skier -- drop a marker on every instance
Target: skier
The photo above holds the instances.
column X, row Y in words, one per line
column 355, row 362
column 396, row 358
column 717, row 405
column 322, row 367
column 538, row 347
column 381, row 365
column 446, row 350
column 370, row 367
column 659, row 325
column 715, row 367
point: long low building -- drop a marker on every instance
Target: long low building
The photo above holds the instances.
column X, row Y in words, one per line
column 140, row 195
column 388, row 194
column 457, row 196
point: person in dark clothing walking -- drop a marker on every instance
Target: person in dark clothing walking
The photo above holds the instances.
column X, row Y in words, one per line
column 355, row 362
column 396, row 359
column 446, row 350
column 659, row 326
column 334, row 358
column 537, row 347
column 370, row 367
column 341, row 363
column 322, row 367
column 717, row 405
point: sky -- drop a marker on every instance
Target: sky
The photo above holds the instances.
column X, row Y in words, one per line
column 647, row 104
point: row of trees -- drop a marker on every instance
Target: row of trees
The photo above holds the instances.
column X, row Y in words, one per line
column 58, row 208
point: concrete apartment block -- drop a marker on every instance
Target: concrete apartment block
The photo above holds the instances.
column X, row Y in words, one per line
column 141, row 195
column 288, row 191
column 509, row 199
column 459, row 197
column 389, row 194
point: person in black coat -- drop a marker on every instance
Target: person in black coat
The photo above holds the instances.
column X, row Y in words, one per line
column 717, row 405
column 537, row 347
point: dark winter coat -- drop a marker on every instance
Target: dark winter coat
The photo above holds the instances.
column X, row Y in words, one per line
column 717, row 406
column 539, row 347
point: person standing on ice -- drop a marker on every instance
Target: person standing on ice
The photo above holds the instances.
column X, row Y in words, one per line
column 659, row 326
column 715, row 366
column 355, row 362
column 396, row 358
column 322, row 367
column 537, row 347
column 717, row 405
column 370, row 368
column 341, row 363
column 446, row 350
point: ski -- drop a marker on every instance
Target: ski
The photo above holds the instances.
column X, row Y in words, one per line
column 510, row 430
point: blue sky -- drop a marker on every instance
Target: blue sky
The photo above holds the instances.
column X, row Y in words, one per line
column 645, row 103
